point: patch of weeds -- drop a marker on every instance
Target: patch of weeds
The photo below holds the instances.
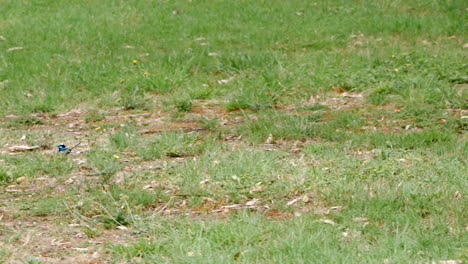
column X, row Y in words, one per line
column 22, row 122
column 338, row 127
column 314, row 107
column 4, row 255
column 379, row 96
column 94, row 116
column 115, row 219
column 134, row 99
column 32, row 260
column 279, row 125
column 156, row 84
column 48, row 206
column 150, row 150
column 457, row 97
column 173, row 144
column 209, row 124
column 91, row 232
column 425, row 138
column 325, row 149
column 422, row 115
column 5, row 176
column 136, row 198
column 45, row 140
column 32, row 164
column 408, row 140
column 201, row 93
column 142, row 248
column 42, row 106
column 252, row 99
column 117, row 205
column 178, row 116
column 126, row 138
column 346, row 119
column 238, row 62
column 231, row 172
column 104, row 163
column 183, row 104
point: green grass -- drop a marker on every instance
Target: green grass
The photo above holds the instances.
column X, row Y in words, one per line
column 22, row 122
column 104, row 163
column 94, row 116
column 236, row 131
column 249, row 238
column 174, row 144
column 35, row 165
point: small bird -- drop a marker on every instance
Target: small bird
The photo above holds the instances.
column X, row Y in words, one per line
column 65, row 150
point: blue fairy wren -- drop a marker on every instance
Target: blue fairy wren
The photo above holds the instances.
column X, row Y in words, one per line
column 62, row 149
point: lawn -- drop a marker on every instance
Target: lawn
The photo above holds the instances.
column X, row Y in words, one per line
column 217, row 131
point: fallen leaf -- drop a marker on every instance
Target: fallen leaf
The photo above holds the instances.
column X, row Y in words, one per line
column 258, row 188
column 293, row 201
column 27, row 239
column 70, row 180
column 208, row 199
column 224, row 81
column 327, row 221
column 458, row 261
column 59, row 242
column 81, row 249
column 204, row 181
column 12, row 188
column 21, row 180
column 361, row 219
column 335, row 209
column 252, row 202
column 231, row 206
column 270, row 139
column 15, row 48
column 352, row 95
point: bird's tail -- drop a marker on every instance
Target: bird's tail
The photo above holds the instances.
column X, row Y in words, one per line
column 75, row 145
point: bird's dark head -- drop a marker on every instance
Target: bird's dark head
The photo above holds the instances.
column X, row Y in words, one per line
column 62, row 147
